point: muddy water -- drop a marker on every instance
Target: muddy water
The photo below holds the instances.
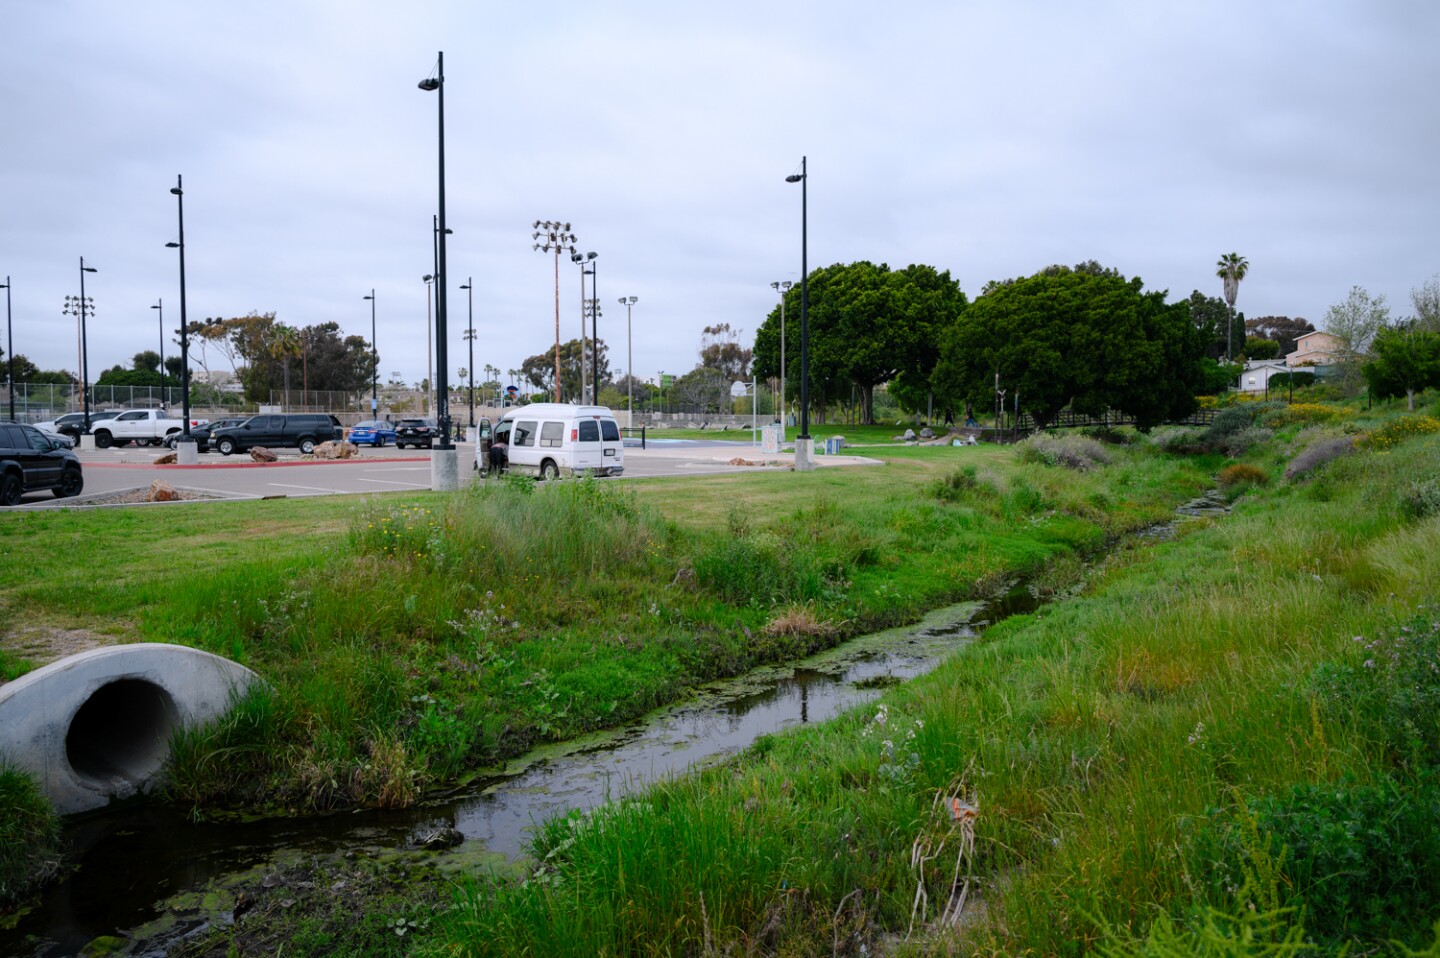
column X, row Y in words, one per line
column 130, row 865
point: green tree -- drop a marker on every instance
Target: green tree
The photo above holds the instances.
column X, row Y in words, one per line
column 539, row 370
column 1087, row 340
column 282, row 344
column 25, row 370
column 1355, row 323
column 1211, row 317
column 1426, row 298
column 1231, row 269
column 869, row 325
column 1283, row 329
column 1257, row 348
column 1403, row 362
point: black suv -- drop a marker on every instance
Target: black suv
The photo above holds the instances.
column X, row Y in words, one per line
column 303, row 430
column 31, row 461
column 416, row 432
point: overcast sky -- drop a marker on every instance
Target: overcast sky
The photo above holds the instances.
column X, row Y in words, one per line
column 987, row 139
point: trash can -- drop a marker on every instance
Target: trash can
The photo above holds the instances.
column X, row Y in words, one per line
column 832, row 445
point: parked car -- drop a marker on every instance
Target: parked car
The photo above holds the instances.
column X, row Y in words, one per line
column 31, row 461
column 373, row 432
column 302, row 430
column 50, row 432
column 420, row 433
column 201, row 434
column 550, row 440
column 72, row 424
column 144, row 427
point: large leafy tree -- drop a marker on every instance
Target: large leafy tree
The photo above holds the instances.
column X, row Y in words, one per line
column 1426, row 298
column 1211, row 318
column 869, row 325
column 539, row 370
column 1086, row 339
column 1355, row 322
column 1231, row 268
column 1403, row 362
column 330, row 362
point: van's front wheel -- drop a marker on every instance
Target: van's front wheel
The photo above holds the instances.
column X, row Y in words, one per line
column 549, row 471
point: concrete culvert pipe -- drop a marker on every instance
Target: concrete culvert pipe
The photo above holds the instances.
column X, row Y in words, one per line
column 96, row 726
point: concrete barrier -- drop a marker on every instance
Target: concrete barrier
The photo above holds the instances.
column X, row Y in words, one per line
column 96, row 726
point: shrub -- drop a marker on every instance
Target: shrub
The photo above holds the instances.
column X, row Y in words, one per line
column 1230, row 420
column 1109, row 435
column 1176, row 438
column 1397, row 431
column 1238, row 443
column 29, row 836
column 1303, row 412
column 1242, row 474
column 955, row 486
column 1318, row 454
column 1072, row 452
column 1422, row 499
column 1361, row 860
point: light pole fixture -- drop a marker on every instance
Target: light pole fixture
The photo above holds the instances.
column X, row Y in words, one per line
column 82, row 306
column 629, row 303
column 469, row 288
column 375, row 360
column 782, row 287
column 179, row 194
column 160, row 305
column 556, row 237
column 428, row 279
column 581, row 260
column 592, row 308
column 436, row 83
column 10, row 349
column 803, row 179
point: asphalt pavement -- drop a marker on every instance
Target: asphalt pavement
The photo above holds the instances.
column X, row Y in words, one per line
column 118, row 470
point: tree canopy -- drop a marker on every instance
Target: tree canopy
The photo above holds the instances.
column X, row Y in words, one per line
column 868, row 325
column 1087, row 339
column 1403, row 362
column 329, row 361
column 539, row 370
column 1282, row 329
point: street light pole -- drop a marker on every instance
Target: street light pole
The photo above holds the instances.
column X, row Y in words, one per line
column 437, row 83
column 470, row 335
column 428, row 279
column 160, row 305
column 84, row 309
column 10, row 349
column 629, row 303
column 179, row 194
column 581, row 261
column 374, row 361
column 782, row 287
column 804, row 447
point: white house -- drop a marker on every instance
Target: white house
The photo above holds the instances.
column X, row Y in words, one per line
column 1255, row 378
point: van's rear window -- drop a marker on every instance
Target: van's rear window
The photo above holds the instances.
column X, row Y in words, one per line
column 589, row 431
column 609, row 431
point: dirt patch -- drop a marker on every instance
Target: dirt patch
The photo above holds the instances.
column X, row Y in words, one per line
column 41, row 646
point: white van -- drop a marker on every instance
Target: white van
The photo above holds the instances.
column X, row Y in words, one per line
column 550, row 440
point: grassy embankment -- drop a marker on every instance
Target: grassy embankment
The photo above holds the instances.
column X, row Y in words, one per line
column 1229, row 745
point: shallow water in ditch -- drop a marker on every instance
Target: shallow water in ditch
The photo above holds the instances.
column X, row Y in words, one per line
column 127, row 862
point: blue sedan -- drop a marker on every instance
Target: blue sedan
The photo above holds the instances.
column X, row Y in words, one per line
column 372, row 432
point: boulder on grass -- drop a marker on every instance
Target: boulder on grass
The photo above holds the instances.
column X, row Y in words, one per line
column 169, row 459
column 927, row 433
column 909, row 435
column 261, row 454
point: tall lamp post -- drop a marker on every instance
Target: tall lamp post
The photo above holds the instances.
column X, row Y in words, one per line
column 82, row 307
column 375, row 360
column 160, row 305
column 446, row 475
column 179, row 194
column 428, row 278
column 581, row 260
column 469, row 288
column 10, row 349
column 804, row 445
column 782, row 287
column 592, row 306
column 557, row 237
column 629, row 303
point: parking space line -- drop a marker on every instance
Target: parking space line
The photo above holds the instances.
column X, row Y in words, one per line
column 396, row 482
column 328, row 489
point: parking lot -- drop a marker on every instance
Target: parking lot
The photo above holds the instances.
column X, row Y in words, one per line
column 117, row 470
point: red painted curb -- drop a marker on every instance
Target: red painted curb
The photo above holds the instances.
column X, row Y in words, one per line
column 243, row 465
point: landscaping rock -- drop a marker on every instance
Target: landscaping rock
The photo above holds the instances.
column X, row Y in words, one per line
column 261, row 454
column 161, row 491
column 169, row 459
column 337, row 450
column 909, row 435
column 927, row 433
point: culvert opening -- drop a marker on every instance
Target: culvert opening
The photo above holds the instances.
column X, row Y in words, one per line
column 121, row 732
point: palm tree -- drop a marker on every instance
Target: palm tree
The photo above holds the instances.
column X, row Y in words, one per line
column 1231, row 268
column 284, row 343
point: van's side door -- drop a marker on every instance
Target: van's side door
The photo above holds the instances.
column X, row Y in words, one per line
column 524, row 450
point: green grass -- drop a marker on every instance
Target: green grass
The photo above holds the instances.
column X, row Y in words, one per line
column 29, row 837
column 1197, row 756
column 413, row 640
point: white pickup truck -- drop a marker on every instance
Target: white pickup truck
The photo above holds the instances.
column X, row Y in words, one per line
column 141, row 426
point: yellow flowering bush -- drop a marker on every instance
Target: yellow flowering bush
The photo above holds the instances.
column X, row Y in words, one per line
column 1397, row 431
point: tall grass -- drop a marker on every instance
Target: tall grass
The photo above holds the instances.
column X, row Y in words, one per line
column 1146, row 762
column 29, row 837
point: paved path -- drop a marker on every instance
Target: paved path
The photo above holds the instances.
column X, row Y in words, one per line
column 381, row 470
